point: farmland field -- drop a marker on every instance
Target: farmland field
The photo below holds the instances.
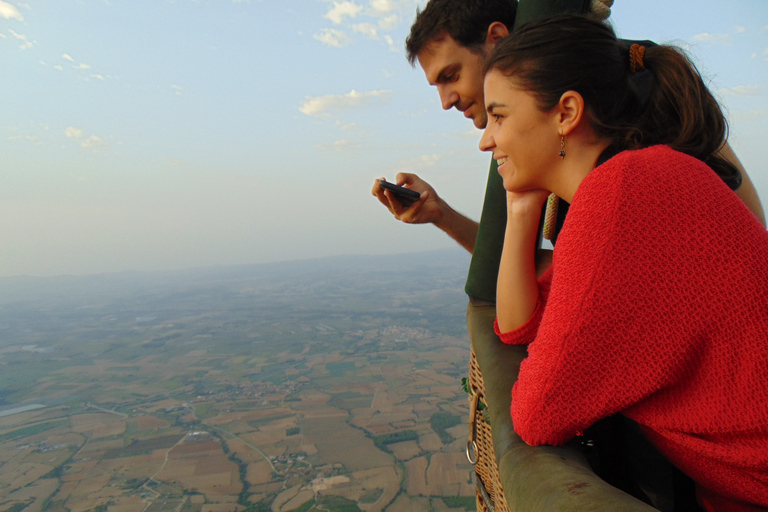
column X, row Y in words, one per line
column 271, row 388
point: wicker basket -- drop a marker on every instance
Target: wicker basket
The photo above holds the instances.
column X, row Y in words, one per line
column 490, row 495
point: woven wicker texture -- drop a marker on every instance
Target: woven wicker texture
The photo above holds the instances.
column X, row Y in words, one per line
column 480, row 432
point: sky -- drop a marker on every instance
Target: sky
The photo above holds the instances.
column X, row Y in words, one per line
column 150, row 135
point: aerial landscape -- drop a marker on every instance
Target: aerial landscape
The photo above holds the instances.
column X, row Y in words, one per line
column 331, row 384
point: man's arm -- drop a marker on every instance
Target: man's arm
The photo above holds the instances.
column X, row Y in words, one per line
column 429, row 209
column 746, row 191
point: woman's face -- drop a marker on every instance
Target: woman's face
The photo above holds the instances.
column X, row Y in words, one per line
column 524, row 140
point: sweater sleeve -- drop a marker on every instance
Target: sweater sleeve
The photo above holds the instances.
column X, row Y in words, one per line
column 607, row 334
column 526, row 333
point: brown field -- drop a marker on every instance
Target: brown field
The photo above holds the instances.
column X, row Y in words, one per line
column 87, row 422
column 262, row 438
column 245, row 416
column 108, row 430
column 207, row 473
column 284, row 497
column 430, row 442
column 416, row 477
column 194, row 449
column 405, row 450
column 244, row 452
column 145, row 422
column 222, row 507
column 38, row 491
column 386, row 478
column 308, row 448
column 259, row 473
column 361, row 417
column 405, row 503
column 448, row 475
column 338, row 442
column 22, row 475
column 304, row 496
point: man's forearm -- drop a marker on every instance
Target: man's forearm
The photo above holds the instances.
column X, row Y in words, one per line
column 457, row 226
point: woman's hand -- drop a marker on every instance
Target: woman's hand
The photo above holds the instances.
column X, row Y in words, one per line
column 517, row 290
column 526, row 204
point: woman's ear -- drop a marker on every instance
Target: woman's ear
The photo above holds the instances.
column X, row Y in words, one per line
column 570, row 112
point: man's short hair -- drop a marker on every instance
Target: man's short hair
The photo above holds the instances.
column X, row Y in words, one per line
column 466, row 21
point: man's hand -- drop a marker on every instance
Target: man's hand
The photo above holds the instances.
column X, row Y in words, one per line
column 425, row 210
column 428, row 209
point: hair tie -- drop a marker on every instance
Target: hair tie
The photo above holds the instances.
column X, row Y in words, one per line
column 636, row 54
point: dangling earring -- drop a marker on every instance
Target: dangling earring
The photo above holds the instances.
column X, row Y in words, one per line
column 562, row 147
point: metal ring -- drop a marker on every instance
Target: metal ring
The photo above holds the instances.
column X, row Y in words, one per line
column 472, row 455
column 472, row 450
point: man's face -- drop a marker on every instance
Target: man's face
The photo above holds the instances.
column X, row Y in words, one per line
column 457, row 72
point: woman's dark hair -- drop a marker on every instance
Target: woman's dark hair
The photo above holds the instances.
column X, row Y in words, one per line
column 574, row 53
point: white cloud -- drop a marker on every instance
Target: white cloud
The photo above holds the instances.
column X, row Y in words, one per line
column 178, row 90
column 751, row 115
column 740, row 30
column 742, row 90
column 21, row 37
column 320, row 105
column 93, row 142
column 67, row 57
column 60, row 68
column 706, row 37
column 389, row 22
column 82, row 66
column 342, row 9
column 383, row 6
column 73, row 133
column 391, row 43
column 98, row 77
column 8, row 11
column 333, row 37
column 367, row 29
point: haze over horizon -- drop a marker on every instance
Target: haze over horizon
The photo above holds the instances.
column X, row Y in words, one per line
column 162, row 135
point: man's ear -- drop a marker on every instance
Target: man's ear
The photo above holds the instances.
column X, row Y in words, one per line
column 496, row 32
column 570, row 111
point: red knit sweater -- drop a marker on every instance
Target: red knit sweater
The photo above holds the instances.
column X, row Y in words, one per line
column 656, row 306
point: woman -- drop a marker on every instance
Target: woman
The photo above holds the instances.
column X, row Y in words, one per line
column 656, row 304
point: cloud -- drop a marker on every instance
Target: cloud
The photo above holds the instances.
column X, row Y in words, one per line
column 320, row 105
column 391, row 43
column 706, row 37
column 751, row 115
column 389, row 22
column 8, row 11
column 341, row 10
column 742, row 90
column 67, row 57
column 73, row 133
column 94, row 142
column 21, row 37
column 383, row 6
column 740, row 30
column 367, row 29
column 177, row 89
column 340, row 146
column 333, row 37
column 82, row 66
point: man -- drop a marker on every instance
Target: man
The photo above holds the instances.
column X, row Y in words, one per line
column 450, row 39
